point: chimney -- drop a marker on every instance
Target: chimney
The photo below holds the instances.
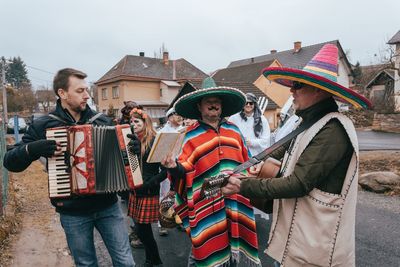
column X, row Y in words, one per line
column 165, row 58
column 173, row 70
column 141, row 54
column 297, row 46
column 273, row 51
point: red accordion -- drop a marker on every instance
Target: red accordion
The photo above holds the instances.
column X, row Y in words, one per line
column 95, row 160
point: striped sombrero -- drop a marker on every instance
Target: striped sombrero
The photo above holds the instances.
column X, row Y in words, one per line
column 320, row 72
column 233, row 100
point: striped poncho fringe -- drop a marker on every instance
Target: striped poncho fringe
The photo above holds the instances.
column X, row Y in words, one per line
column 222, row 229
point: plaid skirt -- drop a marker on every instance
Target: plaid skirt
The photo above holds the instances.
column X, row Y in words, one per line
column 144, row 209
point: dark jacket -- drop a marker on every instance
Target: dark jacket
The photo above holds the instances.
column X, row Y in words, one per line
column 152, row 173
column 322, row 165
column 17, row 159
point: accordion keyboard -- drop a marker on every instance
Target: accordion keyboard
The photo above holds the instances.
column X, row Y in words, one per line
column 59, row 178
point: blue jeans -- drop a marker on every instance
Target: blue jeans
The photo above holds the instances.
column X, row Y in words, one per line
column 112, row 227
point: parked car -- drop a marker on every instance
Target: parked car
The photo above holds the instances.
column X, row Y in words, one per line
column 22, row 126
column 34, row 117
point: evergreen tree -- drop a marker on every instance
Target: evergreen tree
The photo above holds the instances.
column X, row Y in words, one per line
column 16, row 73
column 357, row 73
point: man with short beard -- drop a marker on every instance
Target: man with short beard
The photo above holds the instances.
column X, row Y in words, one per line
column 222, row 230
column 79, row 215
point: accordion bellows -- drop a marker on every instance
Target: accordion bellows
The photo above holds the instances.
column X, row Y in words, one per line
column 96, row 160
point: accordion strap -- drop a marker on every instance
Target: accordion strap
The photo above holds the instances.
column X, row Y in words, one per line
column 95, row 117
column 59, row 119
column 90, row 121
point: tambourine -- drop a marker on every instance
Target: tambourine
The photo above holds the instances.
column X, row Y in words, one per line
column 168, row 217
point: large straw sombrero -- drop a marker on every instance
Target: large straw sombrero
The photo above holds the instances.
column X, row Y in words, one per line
column 233, row 100
column 320, row 72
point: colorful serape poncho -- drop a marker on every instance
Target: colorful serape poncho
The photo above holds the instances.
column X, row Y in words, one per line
column 222, row 229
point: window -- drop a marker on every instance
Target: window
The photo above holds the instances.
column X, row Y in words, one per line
column 104, row 93
column 115, row 111
column 160, row 91
column 115, row 92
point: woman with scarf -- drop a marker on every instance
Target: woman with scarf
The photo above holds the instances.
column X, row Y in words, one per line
column 144, row 201
column 253, row 125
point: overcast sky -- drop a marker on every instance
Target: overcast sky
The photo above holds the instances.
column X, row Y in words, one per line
column 93, row 35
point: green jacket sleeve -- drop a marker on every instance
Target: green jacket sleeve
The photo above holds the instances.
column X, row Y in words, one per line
column 314, row 166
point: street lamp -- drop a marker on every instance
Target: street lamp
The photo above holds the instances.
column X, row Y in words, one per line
column 4, row 63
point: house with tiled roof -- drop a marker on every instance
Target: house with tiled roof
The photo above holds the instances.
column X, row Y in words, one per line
column 297, row 57
column 244, row 73
column 380, row 87
column 151, row 82
column 395, row 41
column 381, row 83
column 251, row 73
column 246, row 87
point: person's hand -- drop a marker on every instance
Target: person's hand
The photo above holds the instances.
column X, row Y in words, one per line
column 255, row 170
column 248, row 142
column 43, row 148
column 168, row 162
column 232, row 187
column 134, row 144
column 171, row 193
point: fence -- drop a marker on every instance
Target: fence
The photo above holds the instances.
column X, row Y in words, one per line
column 4, row 172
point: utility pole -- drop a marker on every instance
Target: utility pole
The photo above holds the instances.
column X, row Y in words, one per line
column 3, row 83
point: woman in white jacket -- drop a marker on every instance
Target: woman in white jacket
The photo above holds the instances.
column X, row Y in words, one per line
column 253, row 125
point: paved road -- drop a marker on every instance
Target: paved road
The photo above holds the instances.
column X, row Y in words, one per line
column 377, row 236
column 372, row 140
column 377, row 230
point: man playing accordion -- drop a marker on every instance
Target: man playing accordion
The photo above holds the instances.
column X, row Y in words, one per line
column 78, row 214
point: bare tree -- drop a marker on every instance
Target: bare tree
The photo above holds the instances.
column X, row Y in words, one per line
column 21, row 99
column 110, row 111
column 385, row 59
column 45, row 97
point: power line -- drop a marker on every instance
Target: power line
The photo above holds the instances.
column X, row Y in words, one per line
column 36, row 78
column 52, row 73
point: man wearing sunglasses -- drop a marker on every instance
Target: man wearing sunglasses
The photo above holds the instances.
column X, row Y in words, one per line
column 315, row 193
column 253, row 125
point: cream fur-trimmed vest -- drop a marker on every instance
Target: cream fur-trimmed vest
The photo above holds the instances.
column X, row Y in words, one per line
column 317, row 229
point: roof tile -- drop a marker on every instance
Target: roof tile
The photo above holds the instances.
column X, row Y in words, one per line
column 138, row 66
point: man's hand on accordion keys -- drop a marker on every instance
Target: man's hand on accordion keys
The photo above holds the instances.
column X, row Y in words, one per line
column 43, row 148
column 134, row 144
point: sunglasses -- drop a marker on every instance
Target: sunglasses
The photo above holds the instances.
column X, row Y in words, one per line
column 297, row 85
column 250, row 103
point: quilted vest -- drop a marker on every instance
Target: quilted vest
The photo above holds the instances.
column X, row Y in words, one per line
column 319, row 228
